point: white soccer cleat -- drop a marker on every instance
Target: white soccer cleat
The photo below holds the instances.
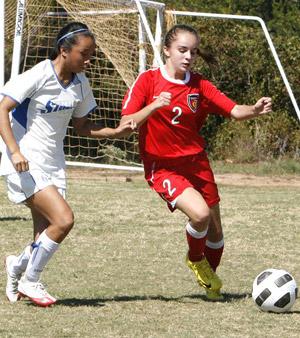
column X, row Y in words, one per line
column 12, row 292
column 36, row 292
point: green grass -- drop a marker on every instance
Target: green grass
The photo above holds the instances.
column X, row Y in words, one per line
column 285, row 167
column 121, row 271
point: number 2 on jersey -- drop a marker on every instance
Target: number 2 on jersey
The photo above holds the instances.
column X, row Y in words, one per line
column 167, row 184
column 178, row 112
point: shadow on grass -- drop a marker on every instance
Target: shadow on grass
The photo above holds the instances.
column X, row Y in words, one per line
column 16, row 218
column 285, row 313
column 98, row 302
column 228, row 297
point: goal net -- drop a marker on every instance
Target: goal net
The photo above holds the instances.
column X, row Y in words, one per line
column 123, row 50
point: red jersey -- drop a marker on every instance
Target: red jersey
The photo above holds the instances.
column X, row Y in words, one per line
column 173, row 130
column 206, row 109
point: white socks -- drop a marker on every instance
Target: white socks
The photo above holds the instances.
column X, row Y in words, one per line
column 43, row 250
column 215, row 245
column 19, row 264
column 194, row 233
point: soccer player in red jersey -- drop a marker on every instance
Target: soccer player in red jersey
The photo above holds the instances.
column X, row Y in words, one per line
column 167, row 105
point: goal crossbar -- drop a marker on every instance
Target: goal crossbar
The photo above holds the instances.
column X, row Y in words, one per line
column 93, row 13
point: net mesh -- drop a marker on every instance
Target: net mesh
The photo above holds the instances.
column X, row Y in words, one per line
column 113, row 69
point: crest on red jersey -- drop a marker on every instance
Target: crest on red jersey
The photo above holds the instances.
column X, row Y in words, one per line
column 193, row 102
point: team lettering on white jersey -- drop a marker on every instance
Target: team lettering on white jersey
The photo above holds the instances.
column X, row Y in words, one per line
column 53, row 107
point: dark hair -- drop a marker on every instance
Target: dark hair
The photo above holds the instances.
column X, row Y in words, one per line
column 171, row 36
column 67, row 40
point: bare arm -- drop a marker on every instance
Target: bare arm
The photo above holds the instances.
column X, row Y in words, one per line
column 18, row 160
column 244, row 112
column 142, row 115
column 85, row 127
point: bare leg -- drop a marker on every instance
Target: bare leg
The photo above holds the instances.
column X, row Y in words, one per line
column 53, row 219
column 215, row 233
column 40, row 223
column 49, row 206
column 191, row 203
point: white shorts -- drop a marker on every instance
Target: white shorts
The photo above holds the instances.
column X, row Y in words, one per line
column 23, row 185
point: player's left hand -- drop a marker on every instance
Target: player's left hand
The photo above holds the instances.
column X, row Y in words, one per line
column 263, row 106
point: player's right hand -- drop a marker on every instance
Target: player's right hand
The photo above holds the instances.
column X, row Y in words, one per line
column 164, row 99
column 19, row 162
column 125, row 129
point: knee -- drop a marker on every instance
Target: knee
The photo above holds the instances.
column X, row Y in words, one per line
column 200, row 219
column 66, row 221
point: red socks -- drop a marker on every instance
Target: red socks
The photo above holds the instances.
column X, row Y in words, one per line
column 196, row 241
column 199, row 247
column 213, row 253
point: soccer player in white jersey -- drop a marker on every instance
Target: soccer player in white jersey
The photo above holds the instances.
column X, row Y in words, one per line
column 40, row 103
column 169, row 104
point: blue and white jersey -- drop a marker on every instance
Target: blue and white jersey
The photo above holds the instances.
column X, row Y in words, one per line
column 40, row 120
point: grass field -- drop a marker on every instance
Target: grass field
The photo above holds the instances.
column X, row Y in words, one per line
column 121, row 271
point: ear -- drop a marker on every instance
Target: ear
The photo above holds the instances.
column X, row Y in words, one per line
column 63, row 52
column 166, row 51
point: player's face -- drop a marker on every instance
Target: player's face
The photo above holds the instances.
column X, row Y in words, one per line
column 78, row 58
column 182, row 53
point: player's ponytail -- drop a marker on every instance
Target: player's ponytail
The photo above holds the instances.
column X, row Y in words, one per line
column 67, row 37
column 207, row 56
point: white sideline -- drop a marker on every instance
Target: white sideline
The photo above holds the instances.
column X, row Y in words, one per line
column 104, row 166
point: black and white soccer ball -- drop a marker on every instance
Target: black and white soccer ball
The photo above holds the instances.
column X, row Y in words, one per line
column 274, row 290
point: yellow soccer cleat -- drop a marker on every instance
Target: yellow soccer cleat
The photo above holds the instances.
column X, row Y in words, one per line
column 214, row 295
column 206, row 278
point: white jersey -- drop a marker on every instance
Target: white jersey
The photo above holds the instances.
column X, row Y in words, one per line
column 40, row 121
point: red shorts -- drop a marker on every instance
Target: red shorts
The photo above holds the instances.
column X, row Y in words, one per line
column 169, row 178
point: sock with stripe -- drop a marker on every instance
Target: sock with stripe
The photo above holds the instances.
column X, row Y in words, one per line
column 19, row 264
column 213, row 253
column 196, row 242
column 43, row 250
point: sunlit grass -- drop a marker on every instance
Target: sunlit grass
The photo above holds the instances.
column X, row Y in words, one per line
column 121, row 271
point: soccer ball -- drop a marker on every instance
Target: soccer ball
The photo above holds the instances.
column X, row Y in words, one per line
column 274, row 290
